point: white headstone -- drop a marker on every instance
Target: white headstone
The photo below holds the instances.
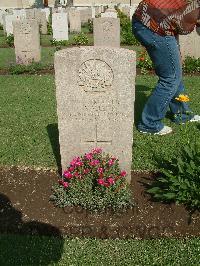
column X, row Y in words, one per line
column 9, row 23
column 190, row 45
column 74, row 20
column 109, row 13
column 60, row 26
column 107, row 32
column 95, row 91
column 26, row 41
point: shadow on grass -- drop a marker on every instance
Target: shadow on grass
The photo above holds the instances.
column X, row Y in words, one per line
column 53, row 134
column 26, row 243
column 140, row 100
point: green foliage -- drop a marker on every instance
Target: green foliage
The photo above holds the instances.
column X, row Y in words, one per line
column 59, row 43
column 1, row 26
column 191, row 65
column 10, row 40
column 80, row 39
column 90, row 25
column 127, row 36
column 94, row 182
column 31, row 69
column 144, row 62
column 49, row 25
column 180, row 180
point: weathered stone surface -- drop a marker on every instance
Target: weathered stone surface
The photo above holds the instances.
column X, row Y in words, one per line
column 30, row 13
column 190, row 44
column 41, row 18
column 85, row 13
column 74, row 20
column 109, row 13
column 46, row 10
column 107, row 32
column 26, row 41
column 95, row 102
column 60, row 26
column 9, row 19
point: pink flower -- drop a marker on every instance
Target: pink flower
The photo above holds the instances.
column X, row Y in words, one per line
column 97, row 150
column 67, row 174
column 94, row 162
column 111, row 181
column 100, row 170
column 123, row 173
column 106, row 184
column 79, row 163
column 86, row 171
column 100, row 181
column 76, row 174
column 88, row 156
column 71, row 169
column 64, row 184
column 76, row 162
column 110, row 162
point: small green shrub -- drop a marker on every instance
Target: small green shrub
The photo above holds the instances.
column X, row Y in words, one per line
column 127, row 36
column 90, row 25
column 10, row 40
column 59, row 43
column 49, row 25
column 31, row 69
column 94, row 182
column 144, row 62
column 80, row 39
column 191, row 65
column 1, row 26
column 180, row 179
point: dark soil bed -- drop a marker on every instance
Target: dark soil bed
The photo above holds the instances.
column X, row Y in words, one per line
column 25, row 208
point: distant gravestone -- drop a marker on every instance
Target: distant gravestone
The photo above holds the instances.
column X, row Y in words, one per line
column 107, row 32
column 85, row 13
column 109, row 13
column 95, row 90
column 41, row 18
column 74, row 20
column 26, row 41
column 46, row 10
column 60, row 26
column 9, row 19
column 1, row 16
column 190, row 45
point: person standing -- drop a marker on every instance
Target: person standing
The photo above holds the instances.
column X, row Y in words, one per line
column 156, row 24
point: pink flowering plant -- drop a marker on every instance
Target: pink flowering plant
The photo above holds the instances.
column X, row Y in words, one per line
column 93, row 181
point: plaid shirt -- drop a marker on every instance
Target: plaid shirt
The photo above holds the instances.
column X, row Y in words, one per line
column 169, row 17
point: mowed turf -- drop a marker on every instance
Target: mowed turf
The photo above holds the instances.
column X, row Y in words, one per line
column 29, row 133
column 29, row 250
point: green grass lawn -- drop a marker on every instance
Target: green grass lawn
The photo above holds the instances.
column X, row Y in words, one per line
column 7, row 56
column 29, row 123
column 28, row 250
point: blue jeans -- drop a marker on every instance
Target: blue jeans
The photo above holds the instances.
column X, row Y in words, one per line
column 165, row 55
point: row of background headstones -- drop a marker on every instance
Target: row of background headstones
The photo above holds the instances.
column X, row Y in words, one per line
column 85, row 13
column 106, row 33
column 189, row 44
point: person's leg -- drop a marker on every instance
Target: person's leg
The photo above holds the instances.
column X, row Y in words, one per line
column 164, row 52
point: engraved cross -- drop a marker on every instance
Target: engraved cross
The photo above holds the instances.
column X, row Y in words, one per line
column 98, row 142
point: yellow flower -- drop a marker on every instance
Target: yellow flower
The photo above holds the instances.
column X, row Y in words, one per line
column 182, row 98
